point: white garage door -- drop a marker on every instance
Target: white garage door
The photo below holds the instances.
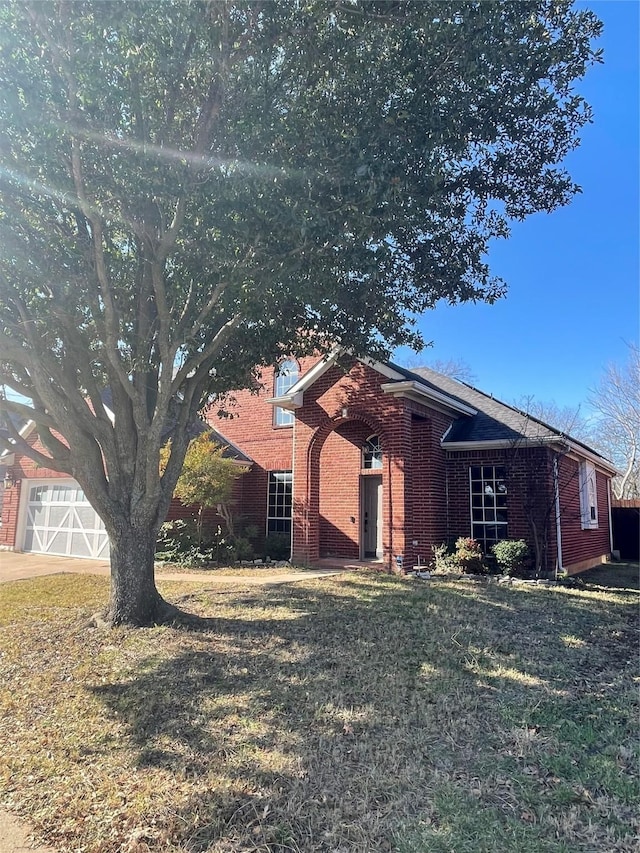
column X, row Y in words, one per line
column 60, row 520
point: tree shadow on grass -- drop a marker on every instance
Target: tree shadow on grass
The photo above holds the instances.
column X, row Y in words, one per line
column 316, row 708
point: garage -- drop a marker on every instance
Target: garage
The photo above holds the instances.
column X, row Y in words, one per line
column 60, row 520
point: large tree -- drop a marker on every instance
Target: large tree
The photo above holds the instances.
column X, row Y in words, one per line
column 189, row 189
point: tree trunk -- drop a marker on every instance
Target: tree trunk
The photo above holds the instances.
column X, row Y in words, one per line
column 134, row 598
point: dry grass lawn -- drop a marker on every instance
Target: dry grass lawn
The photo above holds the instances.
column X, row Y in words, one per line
column 357, row 713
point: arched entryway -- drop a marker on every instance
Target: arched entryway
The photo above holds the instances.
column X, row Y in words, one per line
column 350, row 492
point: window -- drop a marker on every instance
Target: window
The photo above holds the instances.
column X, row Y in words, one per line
column 372, row 453
column 285, row 377
column 588, row 496
column 279, row 502
column 488, row 505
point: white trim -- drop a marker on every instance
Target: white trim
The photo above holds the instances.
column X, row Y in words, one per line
column 240, row 463
column 318, row 370
column 26, row 485
column 475, row 463
column 383, row 369
column 588, row 495
column 8, row 456
column 602, row 465
column 610, row 518
column 268, row 517
column 399, row 386
column 490, row 444
column 227, row 443
column 574, row 450
column 291, row 402
column 416, row 390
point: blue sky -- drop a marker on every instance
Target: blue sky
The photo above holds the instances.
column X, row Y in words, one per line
column 573, row 297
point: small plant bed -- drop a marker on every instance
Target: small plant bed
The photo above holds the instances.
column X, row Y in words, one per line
column 360, row 713
column 245, row 568
column 184, row 543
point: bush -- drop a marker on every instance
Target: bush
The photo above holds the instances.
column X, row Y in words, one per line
column 512, row 556
column 242, row 548
column 277, row 546
column 468, row 555
column 443, row 559
column 174, row 540
column 178, row 543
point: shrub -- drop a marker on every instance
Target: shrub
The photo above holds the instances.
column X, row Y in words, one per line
column 443, row 559
column 178, row 542
column 242, row 548
column 277, row 546
column 174, row 540
column 468, row 555
column 512, row 556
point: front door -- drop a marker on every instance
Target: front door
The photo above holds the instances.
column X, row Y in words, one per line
column 371, row 517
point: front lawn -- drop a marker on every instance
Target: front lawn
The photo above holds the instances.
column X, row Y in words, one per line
column 356, row 713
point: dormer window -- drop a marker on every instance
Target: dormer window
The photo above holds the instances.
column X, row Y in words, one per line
column 372, row 453
column 286, row 376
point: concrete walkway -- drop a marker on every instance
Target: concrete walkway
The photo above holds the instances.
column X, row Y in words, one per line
column 16, row 566
column 14, row 836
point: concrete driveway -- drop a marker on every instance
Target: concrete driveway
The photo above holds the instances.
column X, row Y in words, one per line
column 15, row 566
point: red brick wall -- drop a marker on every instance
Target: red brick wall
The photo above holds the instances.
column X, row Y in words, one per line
column 250, row 426
column 426, row 515
column 326, row 465
column 425, row 489
column 581, row 546
column 339, row 490
column 530, row 490
column 315, row 465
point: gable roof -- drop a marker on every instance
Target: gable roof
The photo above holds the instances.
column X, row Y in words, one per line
column 229, row 449
column 401, row 382
column 497, row 423
column 481, row 421
column 493, row 421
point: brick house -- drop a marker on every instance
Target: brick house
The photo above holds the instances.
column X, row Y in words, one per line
column 367, row 461
column 374, row 462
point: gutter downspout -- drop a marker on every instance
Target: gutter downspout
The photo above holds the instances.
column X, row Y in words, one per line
column 610, row 518
column 293, row 485
column 556, row 490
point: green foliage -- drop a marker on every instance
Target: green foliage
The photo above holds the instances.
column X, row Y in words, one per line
column 465, row 555
column 174, row 539
column 443, row 559
column 327, row 160
column 182, row 542
column 512, row 556
column 207, row 477
column 468, row 555
column 277, row 546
